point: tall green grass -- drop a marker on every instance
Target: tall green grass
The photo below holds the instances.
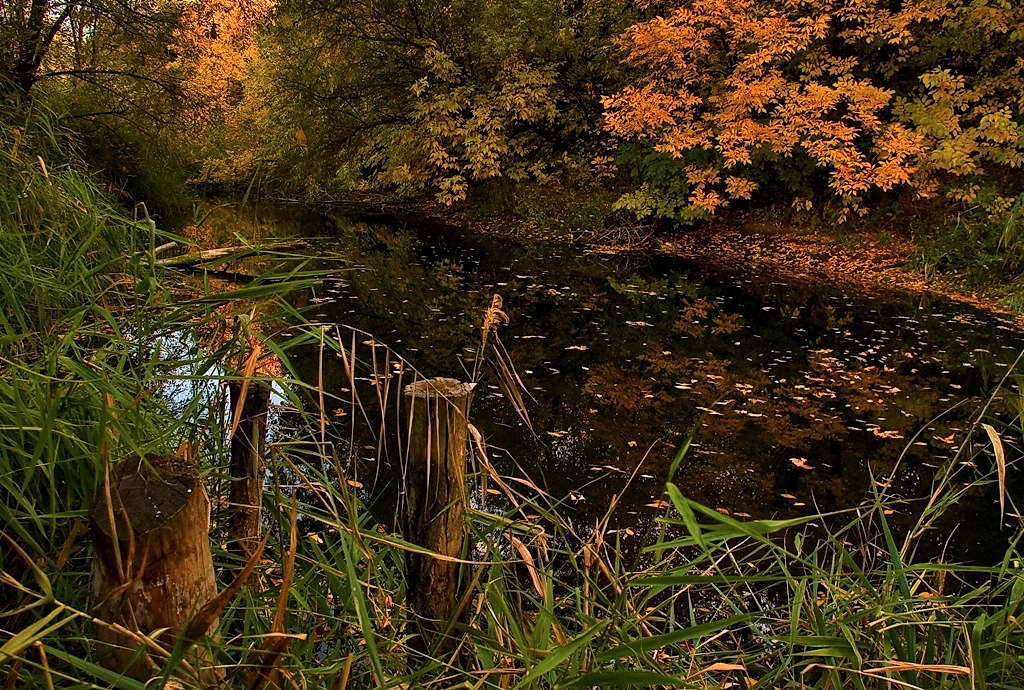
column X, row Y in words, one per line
column 825, row 601
column 982, row 247
column 695, row 599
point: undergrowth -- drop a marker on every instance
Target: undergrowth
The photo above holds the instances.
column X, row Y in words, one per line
column 982, row 248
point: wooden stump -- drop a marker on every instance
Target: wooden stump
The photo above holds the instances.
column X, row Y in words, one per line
column 152, row 567
column 248, row 451
column 436, row 411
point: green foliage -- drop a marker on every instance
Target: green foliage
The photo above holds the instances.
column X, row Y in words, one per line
column 478, row 91
column 73, row 264
column 143, row 163
column 88, row 335
column 983, row 244
column 664, row 191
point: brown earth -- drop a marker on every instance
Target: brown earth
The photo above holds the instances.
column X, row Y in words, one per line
column 862, row 261
column 859, row 260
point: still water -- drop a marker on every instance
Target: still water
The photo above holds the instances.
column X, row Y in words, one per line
column 802, row 396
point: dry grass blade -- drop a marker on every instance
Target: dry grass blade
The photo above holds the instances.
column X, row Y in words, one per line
column 720, row 667
column 531, row 565
column 289, row 569
column 901, row 666
column 209, row 612
column 342, row 682
column 247, row 373
column 893, row 681
column 997, row 446
column 277, row 641
column 44, row 663
column 538, row 584
column 510, row 382
column 268, row 674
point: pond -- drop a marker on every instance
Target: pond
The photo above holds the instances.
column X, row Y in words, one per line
column 802, row 397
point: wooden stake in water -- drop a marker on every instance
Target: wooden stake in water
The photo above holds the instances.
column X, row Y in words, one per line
column 436, row 412
column 152, row 567
column 248, row 458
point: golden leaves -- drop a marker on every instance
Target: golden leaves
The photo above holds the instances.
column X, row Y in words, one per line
column 735, row 79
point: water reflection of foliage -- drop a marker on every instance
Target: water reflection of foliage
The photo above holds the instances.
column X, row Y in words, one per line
column 425, row 301
column 624, row 356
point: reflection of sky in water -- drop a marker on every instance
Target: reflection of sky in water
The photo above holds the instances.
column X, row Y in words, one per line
column 800, row 394
column 190, row 381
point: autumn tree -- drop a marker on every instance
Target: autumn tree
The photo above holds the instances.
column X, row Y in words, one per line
column 922, row 95
column 432, row 96
column 217, row 47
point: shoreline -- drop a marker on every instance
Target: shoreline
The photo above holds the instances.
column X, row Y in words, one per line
column 786, row 251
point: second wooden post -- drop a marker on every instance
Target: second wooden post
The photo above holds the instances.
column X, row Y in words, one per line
column 250, row 405
column 435, row 484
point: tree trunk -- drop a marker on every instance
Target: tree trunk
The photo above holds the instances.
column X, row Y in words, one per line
column 27, row 59
column 248, row 450
column 152, row 566
column 221, row 254
column 436, row 411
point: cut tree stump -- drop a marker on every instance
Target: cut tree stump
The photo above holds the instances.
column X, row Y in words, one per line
column 437, row 413
column 152, row 567
column 248, row 458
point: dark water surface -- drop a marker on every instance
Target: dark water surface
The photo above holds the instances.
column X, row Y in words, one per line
column 801, row 394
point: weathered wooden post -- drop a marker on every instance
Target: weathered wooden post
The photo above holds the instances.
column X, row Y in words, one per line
column 437, row 413
column 152, row 567
column 250, row 405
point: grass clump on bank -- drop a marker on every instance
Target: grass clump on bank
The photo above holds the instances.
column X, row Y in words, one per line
column 982, row 247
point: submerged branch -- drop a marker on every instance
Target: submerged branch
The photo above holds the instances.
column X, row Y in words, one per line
column 225, row 253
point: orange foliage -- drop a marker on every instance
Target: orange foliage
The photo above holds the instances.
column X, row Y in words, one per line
column 217, row 42
column 840, row 81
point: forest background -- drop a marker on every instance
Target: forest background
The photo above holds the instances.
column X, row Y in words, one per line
column 903, row 118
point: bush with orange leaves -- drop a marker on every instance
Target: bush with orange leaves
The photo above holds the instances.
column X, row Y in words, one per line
column 871, row 96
